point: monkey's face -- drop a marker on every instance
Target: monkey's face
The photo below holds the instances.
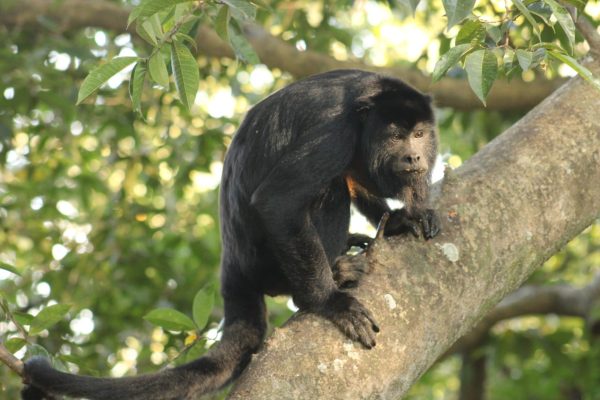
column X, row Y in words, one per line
column 409, row 149
column 400, row 156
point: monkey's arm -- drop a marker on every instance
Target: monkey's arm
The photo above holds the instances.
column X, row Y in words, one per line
column 283, row 202
column 372, row 207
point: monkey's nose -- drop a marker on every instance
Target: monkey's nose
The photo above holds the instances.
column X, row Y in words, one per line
column 411, row 159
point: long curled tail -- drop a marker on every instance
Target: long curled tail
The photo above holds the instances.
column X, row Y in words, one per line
column 243, row 333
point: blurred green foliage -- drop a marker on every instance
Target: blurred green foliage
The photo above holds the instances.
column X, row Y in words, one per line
column 115, row 215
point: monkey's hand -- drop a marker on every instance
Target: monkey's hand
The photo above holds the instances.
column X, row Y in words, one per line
column 415, row 222
column 351, row 317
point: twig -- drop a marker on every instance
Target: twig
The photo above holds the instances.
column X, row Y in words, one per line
column 381, row 225
column 6, row 310
column 13, row 363
column 587, row 30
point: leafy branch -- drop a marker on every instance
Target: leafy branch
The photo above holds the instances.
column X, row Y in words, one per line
column 166, row 22
column 484, row 49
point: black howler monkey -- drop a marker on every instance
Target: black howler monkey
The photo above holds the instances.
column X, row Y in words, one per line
column 299, row 159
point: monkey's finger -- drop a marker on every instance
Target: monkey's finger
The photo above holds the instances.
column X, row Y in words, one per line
column 367, row 336
column 367, row 314
column 435, row 224
column 415, row 229
column 349, row 329
column 426, row 227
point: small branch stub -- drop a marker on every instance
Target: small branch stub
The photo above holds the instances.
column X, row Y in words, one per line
column 381, row 226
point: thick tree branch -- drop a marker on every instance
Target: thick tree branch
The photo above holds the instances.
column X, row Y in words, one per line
column 274, row 52
column 559, row 299
column 586, row 28
column 589, row 32
column 504, row 212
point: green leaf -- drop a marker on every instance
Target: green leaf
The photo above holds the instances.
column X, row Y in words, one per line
column 183, row 37
column 264, row 5
column 150, row 30
column 203, row 305
column 22, row 318
column 472, row 31
column 457, row 10
column 448, row 60
column 580, row 69
column 482, row 69
column 565, row 43
column 101, row 74
column 408, row 6
column 70, row 358
column 197, row 350
column 243, row 50
column 542, row 11
column 170, row 319
column 15, row 344
column 525, row 58
column 564, row 19
column 48, row 317
column 136, row 85
column 133, row 15
column 180, row 11
column 222, row 21
column 494, row 32
column 578, row 4
column 538, row 56
column 508, row 59
column 37, row 350
column 151, row 7
column 245, row 8
column 528, row 16
column 158, row 69
column 9, row 268
column 186, row 73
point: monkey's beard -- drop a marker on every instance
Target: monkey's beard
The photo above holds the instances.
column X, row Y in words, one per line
column 411, row 188
column 414, row 193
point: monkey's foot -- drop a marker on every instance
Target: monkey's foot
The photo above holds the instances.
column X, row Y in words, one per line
column 348, row 270
column 351, row 317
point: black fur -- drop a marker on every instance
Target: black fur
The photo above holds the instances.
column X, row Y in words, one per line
column 300, row 157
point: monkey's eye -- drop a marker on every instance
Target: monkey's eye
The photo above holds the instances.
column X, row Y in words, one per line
column 419, row 133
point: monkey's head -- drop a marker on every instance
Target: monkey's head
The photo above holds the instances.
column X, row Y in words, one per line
column 399, row 140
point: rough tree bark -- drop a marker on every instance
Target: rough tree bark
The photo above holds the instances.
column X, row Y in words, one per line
column 505, row 211
column 69, row 15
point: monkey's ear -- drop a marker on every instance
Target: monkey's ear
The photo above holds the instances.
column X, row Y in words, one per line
column 366, row 101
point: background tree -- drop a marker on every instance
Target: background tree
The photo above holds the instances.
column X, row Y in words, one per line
column 108, row 209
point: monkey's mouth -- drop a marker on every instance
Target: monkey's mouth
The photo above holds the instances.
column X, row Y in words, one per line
column 414, row 171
